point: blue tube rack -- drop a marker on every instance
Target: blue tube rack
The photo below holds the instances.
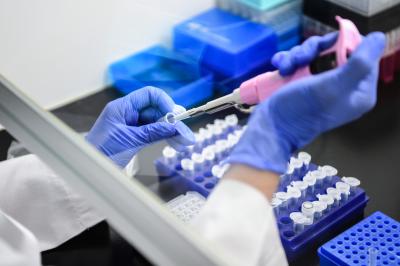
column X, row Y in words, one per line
column 332, row 221
column 377, row 232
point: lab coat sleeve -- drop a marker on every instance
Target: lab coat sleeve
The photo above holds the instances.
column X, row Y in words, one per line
column 18, row 246
column 36, row 197
column 240, row 220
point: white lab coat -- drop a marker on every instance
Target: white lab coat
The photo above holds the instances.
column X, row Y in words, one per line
column 237, row 217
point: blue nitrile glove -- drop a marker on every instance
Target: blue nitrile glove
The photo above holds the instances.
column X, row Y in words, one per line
column 129, row 123
column 303, row 109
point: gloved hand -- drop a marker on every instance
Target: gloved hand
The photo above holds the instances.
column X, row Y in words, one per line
column 303, row 109
column 129, row 123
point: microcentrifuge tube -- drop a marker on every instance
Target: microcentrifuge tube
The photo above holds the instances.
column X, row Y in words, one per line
column 299, row 220
column 297, row 165
column 353, row 182
column 319, row 208
column 187, row 166
column 275, row 203
column 198, row 161
column 284, row 197
column 209, row 156
column 335, row 194
column 305, row 158
column 319, row 176
column 372, row 256
column 301, row 185
column 329, row 172
column 220, row 123
column 344, row 190
column 310, row 180
column 216, row 171
column 232, row 121
column 169, row 155
column 294, row 196
column 307, row 208
column 327, row 199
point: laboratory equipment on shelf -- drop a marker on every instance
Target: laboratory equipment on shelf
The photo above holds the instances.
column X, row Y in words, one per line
column 259, row 88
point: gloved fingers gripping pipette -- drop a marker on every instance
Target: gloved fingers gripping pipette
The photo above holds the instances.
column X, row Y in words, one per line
column 257, row 89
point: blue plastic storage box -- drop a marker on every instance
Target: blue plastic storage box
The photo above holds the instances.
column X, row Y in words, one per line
column 227, row 44
column 373, row 241
column 179, row 76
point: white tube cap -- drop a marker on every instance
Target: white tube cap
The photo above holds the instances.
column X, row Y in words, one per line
column 352, row 181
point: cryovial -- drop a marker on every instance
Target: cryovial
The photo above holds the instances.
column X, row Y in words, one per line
column 216, row 171
column 275, row 203
column 284, row 197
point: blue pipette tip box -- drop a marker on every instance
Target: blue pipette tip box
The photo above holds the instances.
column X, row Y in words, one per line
column 377, row 232
column 227, row 44
column 178, row 75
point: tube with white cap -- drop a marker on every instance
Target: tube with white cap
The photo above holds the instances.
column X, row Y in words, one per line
column 319, row 208
column 284, row 197
column 335, row 194
column 187, row 167
column 329, row 172
column 344, row 190
column 328, row 199
column 299, row 221
column 198, row 160
column 169, row 155
column 294, row 197
column 310, row 180
column 307, row 208
column 353, row 182
column 306, row 159
column 302, row 186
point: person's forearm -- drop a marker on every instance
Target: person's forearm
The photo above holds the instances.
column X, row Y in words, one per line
column 264, row 181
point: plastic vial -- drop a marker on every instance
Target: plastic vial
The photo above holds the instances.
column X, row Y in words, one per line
column 209, row 156
column 187, row 166
column 344, row 190
column 319, row 176
column 319, row 208
column 299, row 220
column 372, row 256
column 199, row 139
column 310, row 180
column 294, row 197
column 353, row 182
column 284, row 197
column 335, row 194
column 207, row 135
column 297, row 165
column 329, row 172
column 216, row 171
column 307, row 208
column 327, row 199
column 305, row 158
column 198, row 160
column 169, row 155
column 302, row 186
column 232, row 121
column 275, row 203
